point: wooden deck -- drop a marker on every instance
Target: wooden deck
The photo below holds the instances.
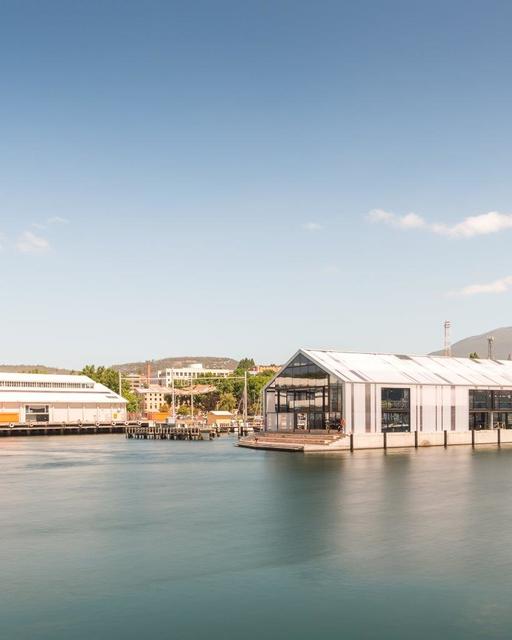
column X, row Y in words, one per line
column 298, row 441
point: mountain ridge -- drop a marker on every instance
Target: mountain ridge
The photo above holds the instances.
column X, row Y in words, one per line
column 502, row 347
column 213, row 362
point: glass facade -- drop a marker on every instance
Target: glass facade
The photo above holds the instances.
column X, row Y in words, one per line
column 396, row 409
column 304, row 397
column 484, row 403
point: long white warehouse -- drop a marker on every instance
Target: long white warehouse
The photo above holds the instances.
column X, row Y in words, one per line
column 373, row 393
column 27, row 398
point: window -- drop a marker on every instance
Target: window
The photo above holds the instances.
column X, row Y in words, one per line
column 304, row 396
column 395, row 399
column 503, row 400
column 480, row 400
column 396, row 412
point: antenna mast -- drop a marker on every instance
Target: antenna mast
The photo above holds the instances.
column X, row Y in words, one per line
column 490, row 347
column 447, row 338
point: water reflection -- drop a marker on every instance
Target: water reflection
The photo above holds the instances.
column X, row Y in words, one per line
column 404, row 544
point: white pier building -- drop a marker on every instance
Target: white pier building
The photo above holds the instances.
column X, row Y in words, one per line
column 27, row 398
column 374, row 393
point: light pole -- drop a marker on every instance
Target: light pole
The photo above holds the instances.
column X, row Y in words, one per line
column 173, row 399
column 244, row 425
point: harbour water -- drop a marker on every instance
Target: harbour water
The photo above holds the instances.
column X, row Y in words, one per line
column 104, row 537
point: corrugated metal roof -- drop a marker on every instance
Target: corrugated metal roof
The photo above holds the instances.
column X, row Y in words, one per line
column 29, row 389
column 42, row 377
column 404, row 369
column 60, row 397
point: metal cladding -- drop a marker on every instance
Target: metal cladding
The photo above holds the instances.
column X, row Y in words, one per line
column 404, row 369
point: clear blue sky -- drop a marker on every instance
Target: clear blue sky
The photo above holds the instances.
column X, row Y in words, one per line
column 196, row 177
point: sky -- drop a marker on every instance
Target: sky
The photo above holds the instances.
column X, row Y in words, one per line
column 247, row 178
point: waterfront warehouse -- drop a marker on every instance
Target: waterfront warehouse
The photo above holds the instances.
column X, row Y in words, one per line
column 374, row 393
column 27, row 398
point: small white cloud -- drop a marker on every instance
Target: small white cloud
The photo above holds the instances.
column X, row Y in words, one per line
column 483, row 224
column 2, row 242
column 412, row 221
column 497, row 286
column 409, row 221
column 29, row 242
column 312, row 226
column 57, row 220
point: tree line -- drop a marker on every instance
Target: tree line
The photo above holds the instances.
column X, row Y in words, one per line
column 227, row 396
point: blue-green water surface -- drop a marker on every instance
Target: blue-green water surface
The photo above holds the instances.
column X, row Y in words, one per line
column 103, row 537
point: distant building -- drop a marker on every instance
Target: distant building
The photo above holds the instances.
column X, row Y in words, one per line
column 376, row 393
column 134, row 380
column 152, row 397
column 187, row 374
column 258, row 368
column 44, row 398
column 221, row 419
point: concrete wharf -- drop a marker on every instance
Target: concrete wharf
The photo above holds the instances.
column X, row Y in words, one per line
column 308, row 442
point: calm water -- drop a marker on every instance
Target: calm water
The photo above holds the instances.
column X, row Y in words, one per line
column 108, row 538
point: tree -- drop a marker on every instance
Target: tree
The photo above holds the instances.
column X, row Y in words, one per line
column 207, row 401
column 474, row 355
column 234, row 385
column 227, row 402
column 184, row 410
column 110, row 378
column 255, row 385
column 245, row 364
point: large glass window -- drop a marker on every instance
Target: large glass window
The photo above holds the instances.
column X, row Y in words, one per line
column 310, row 398
column 478, row 420
column 479, row 400
column 503, row 400
column 483, row 403
column 396, row 413
column 398, row 399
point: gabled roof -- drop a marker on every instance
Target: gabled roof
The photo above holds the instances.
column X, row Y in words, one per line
column 54, row 388
column 43, row 377
column 56, row 397
column 410, row 369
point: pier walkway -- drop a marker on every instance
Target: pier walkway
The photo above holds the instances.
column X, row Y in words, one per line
column 328, row 442
column 167, row 432
column 49, row 429
column 297, row 441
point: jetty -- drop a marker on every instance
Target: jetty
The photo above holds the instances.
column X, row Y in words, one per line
column 58, row 429
column 171, row 432
column 308, row 442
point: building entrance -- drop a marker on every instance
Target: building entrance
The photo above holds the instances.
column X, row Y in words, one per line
column 37, row 413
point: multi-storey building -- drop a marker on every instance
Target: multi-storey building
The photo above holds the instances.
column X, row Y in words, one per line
column 190, row 373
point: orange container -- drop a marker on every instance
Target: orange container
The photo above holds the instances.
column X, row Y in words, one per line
column 158, row 416
column 7, row 418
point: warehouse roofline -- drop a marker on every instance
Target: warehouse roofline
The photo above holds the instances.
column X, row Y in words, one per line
column 405, row 369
